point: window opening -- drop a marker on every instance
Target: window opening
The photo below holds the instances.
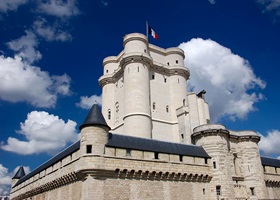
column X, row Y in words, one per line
column 182, row 136
column 184, row 102
column 154, row 106
column 109, row 114
column 156, row 155
column 153, row 76
column 252, row 191
column 145, row 50
column 107, row 71
column 218, row 190
column 181, row 158
column 89, row 148
column 178, row 80
column 168, row 63
column 203, row 190
column 165, row 80
column 176, row 61
column 138, row 68
column 167, row 109
column 214, row 165
column 205, row 161
column 128, row 152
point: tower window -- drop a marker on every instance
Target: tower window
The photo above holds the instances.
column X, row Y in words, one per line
column 89, row 148
column 107, row 71
column 165, row 80
column 145, row 50
column 109, row 114
column 252, row 191
column 176, row 61
column 167, row 109
column 203, row 190
column 214, row 165
column 138, row 68
column 168, row 63
column 218, row 190
column 184, row 102
column 154, row 106
column 153, row 76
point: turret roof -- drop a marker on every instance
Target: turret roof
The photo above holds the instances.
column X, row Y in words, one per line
column 20, row 173
column 94, row 118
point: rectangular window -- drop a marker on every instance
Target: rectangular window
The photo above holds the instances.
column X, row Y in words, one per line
column 214, row 165
column 203, row 190
column 128, row 152
column 153, row 76
column 181, row 158
column 89, row 148
column 218, row 190
column 205, row 161
column 156, row 155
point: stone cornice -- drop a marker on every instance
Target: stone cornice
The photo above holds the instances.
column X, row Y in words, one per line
column 145, row 175
column 216, row 129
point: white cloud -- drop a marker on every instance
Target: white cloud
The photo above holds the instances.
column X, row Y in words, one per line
column 6, row 179
column 25, row 47
column 269, row 144
column 227, row 78
column 271, row 6
column 58, row 8
column 44, row 133
column 20, row 82
column 87, row 102
column 104, row 3
column 212, row 1
column 50, row 33
column 9, row 5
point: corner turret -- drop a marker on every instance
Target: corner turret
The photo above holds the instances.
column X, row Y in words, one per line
column 94, row 132
column 18, row 175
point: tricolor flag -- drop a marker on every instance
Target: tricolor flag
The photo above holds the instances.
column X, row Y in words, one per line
column 152, row 33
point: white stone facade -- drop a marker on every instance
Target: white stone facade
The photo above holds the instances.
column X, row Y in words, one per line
column 145, row 93
column 145, row 96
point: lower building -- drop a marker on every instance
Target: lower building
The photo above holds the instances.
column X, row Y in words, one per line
column 168, row 149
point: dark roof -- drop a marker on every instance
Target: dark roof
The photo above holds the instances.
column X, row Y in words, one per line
column 20, row 173
column 94, row 117
column 74, row 147
column 128, row 142
column 270, row 162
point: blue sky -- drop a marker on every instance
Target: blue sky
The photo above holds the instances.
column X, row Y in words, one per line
column 51, row 54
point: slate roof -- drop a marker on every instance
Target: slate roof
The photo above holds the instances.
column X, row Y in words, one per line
column 128, row 142
column 273, row 162
column 20, row 173
column 71, row 149
column 94, row 117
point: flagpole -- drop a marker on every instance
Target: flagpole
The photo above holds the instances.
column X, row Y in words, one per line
column 147, row 30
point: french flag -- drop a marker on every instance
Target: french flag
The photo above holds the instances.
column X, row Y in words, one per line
column 152, row 33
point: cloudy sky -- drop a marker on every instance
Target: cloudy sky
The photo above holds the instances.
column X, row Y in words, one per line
column 51, row 54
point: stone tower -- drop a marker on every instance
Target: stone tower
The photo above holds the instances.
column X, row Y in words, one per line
column 144, row 93
column 18, row 175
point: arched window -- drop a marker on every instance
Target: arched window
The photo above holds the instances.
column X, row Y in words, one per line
column 154, row 106
column 167, row 109
column 109, row 114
